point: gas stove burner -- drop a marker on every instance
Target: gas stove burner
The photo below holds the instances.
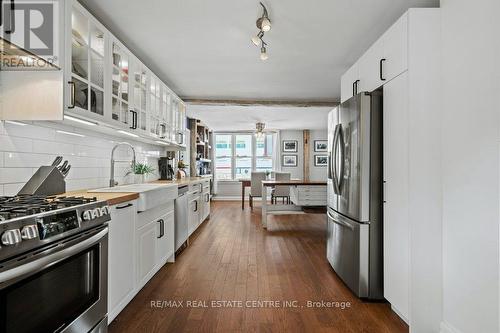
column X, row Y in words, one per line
column 26, row 205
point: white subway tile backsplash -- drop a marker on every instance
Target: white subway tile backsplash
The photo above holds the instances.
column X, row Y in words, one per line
column 29, row 160
column 10, row 143
column 12, row 189
column 49, row 147
column 29, row 131
column 15, row 175
column 24, row 148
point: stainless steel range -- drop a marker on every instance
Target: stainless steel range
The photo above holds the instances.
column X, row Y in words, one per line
column 53, row 264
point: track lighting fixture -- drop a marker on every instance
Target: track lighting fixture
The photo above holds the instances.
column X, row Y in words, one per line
column 264, row 24
column 257, row 40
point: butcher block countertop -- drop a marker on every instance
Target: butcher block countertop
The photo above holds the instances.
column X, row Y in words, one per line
column 184, row 181
column 111, row 198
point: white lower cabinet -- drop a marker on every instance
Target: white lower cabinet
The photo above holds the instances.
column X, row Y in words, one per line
column 396, row 178
column 155, row 241
column 193, row 212
column 139, row 245
column 121, row 277
column 146, row 253
column 205, row 201
column 165, row 246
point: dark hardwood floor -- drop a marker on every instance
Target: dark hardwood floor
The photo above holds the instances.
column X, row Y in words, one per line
column 232, row 258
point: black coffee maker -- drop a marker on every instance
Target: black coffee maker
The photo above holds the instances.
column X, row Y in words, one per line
column 166, row 166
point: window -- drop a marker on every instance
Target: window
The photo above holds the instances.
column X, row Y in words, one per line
column 223, row 157
column 238, row 154
column 264, row 153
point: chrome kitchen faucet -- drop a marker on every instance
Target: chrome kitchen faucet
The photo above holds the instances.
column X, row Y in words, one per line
column 112, row 182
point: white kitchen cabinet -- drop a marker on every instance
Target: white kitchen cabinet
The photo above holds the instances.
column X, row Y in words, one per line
column 85, row 65
column 410, row 75
column 121, row 277
column 348, row 83
column 193, row 212
column 146, row 252
column 396, row 196
column 412, row 188
column 369, row 67
column 139, row 87
column 120, row 98
column 395, row 49
column 155, row 240
column 383, row 61
column 165, row 246
column 205, row 200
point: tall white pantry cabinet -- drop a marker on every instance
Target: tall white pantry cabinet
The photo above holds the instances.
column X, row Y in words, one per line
column 405, row 61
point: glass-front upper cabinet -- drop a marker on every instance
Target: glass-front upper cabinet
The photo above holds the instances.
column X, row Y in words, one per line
column 154, row 106
column 86, row 64
column 181, row 137
column 121, row 110
column 140, row 94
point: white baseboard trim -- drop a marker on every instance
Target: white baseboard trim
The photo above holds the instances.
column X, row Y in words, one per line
column 446, row 327
column 400, row 315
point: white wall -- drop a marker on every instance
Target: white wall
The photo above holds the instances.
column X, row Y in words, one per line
column 296, row 172
column 471, row 78
column 317, row 173
column 24, row 148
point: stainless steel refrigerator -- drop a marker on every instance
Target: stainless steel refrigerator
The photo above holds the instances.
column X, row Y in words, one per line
column 354, row 215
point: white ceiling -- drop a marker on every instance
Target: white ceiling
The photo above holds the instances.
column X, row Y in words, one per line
column 202, row 49
column 240, row 118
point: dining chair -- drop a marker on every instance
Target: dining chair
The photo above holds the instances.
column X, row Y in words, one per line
column 256, row 186
column 281, row 191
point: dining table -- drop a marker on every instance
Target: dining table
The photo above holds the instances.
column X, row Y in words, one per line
column 246, row 182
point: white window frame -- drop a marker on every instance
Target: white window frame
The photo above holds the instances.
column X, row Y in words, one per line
column 233, row 153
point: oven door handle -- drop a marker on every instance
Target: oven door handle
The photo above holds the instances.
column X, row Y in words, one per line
column 51, row 259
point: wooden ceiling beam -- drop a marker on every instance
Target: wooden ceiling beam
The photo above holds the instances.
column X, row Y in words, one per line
column 230, row 102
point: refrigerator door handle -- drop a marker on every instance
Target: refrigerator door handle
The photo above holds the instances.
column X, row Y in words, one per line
column 335, row 180
column 340, row 138
column 338, row 221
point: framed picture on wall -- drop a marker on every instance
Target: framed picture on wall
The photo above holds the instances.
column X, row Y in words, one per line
column 289, row 160
column 320, row 160
column 320, row 146
column 290, row 146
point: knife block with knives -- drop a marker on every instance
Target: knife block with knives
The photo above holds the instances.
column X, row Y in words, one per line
column 48, row 180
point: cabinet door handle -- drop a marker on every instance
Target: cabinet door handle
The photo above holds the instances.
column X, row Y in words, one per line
column 162, row 228
column 381, row 66
column 384, row 191
column 196, row 206
column 356, row 87
column 163, row 130
column 134, row 119
column 72, row 95
column 123, row 207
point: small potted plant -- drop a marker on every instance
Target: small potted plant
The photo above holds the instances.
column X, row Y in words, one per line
column 181, row 172
column 141, row 171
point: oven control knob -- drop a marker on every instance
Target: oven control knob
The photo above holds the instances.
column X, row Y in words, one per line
column 11, row 237
column 96, row 212
column 87, row 215
column 29, row 232
column 104, row 210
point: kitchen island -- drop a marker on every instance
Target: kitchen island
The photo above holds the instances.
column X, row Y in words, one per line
column 297, row 207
